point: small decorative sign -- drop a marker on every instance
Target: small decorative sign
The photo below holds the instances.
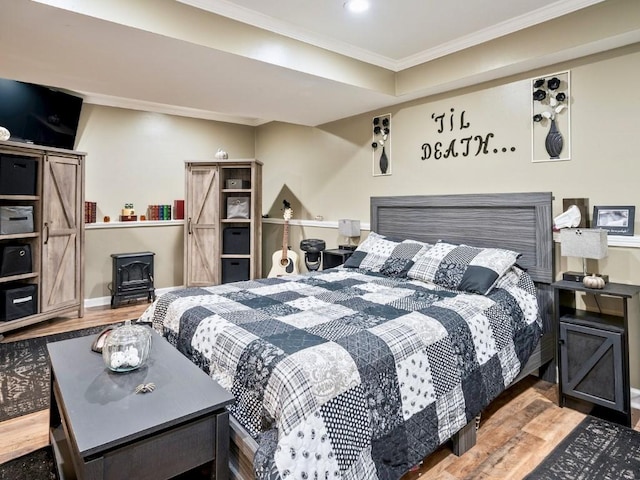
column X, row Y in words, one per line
column 454, row 137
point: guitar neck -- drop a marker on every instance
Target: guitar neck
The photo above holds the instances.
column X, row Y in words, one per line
column 285, row 240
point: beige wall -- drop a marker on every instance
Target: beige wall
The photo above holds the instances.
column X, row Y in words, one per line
column 328, row 170
column 138, row 157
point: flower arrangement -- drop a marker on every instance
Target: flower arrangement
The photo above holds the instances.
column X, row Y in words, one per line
column 381, row 130
column 380, row 127
column 546, row 92
column 550, row 104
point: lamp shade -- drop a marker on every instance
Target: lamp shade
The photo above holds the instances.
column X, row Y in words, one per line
column 349, row 228
column 583, row 242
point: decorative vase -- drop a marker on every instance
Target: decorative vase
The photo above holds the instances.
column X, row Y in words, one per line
column 384, row 162
column 554, row 141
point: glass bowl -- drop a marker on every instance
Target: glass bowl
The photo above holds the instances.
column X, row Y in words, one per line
column 127, row 347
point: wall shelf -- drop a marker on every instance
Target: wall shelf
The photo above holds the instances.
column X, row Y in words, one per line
column 144, row 223
column 311, row 223
column 614, row 240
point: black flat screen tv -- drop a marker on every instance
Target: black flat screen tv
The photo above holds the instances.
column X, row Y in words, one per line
column 38, row 114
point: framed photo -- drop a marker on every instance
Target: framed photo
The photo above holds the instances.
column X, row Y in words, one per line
column 615, row 220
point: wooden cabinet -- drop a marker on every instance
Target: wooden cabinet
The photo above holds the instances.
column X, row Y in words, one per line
column 57, row 241
column 223, row 211
column 593, row 349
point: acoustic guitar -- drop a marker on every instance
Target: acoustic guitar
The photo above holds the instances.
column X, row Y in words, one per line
column 285, row 261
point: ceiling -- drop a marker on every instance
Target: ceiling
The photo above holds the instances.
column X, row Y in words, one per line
column 390, row 34
column 249, row 61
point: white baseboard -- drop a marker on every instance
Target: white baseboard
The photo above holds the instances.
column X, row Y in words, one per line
column 101, row 301
column 635, row 398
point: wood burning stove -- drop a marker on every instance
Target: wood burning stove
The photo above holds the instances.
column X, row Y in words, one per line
column 132, row 277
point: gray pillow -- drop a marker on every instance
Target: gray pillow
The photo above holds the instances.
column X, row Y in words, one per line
column 462, row 267
column 386, row 255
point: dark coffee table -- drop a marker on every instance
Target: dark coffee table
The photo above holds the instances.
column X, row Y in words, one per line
column 102, row 429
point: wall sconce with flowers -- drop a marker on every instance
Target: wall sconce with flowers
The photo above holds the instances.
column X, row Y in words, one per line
column 381, row 145
column 551, row 131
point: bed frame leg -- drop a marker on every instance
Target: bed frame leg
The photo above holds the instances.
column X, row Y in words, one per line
column 465, row 439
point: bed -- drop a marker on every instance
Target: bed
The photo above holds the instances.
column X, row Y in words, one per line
column 363, row 370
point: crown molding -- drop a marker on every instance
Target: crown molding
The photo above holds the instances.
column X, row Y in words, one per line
column 133, row 104
column 228, row 9
column 513, row 25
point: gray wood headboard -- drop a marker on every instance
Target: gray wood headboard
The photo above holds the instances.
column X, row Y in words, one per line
column 517, row 221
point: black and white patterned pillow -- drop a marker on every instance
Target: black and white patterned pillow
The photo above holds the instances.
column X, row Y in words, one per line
column 462, row 267
column 389, row 256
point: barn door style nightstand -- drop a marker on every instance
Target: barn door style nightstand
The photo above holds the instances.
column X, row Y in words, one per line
column 593, row 349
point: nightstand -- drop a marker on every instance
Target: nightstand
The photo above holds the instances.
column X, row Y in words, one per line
column 334, row 257
column 593, row 349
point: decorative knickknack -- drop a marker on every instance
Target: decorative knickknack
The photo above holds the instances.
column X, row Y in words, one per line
column 127, row 347
column 221, row 154
column 554, row 141
column 4, row 134
column 550, row 111
column 381, row 156
column 594, row 281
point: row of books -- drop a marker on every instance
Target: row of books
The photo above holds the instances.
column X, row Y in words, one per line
column 164, row 212
column 159, row 212
column 90, row 212
column 154, row 212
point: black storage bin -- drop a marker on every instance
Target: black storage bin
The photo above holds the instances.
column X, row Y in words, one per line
column 236, row 241
column 17, row 301
column 17, row 175
column 235, row 269
column 15, row 260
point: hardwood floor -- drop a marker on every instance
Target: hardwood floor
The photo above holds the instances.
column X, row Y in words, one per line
column 27, row 433
column 516, row 432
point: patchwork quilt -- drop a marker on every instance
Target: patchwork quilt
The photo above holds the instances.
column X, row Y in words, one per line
column 351, row 374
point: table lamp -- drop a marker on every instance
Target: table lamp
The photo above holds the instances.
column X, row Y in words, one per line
column 585, row 243
column 349, row 229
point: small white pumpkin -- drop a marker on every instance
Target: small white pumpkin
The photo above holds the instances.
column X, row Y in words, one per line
column 593, row 281
column 4, row 134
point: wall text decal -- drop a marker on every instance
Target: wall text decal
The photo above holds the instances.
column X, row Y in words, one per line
column 465, row 146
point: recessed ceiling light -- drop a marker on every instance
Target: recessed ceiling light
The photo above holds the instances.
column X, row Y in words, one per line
column 357, row 6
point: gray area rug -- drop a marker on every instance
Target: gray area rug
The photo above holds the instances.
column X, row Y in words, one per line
column 594, row 450
column 24, row 373
column 40, row 465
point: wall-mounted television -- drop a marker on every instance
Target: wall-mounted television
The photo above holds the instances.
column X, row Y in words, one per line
column 38, row 114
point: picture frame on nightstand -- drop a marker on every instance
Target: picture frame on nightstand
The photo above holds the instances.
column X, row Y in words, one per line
column 616, row 220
